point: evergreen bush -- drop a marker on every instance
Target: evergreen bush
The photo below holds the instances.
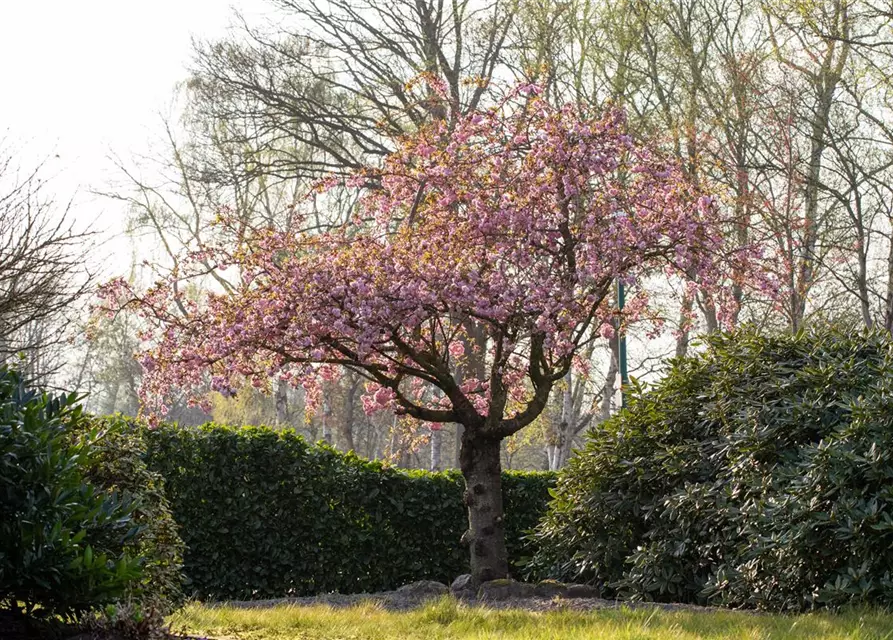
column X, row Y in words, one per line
column 61, row 538
column 758, row 473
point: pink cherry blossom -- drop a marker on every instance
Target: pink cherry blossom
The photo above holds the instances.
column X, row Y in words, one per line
column 457, row 349
column 503, row 232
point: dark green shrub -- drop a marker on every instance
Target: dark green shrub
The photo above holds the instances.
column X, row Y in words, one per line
column 118, row 465
column 60, row 538
column 758, row 473
column 264, row 514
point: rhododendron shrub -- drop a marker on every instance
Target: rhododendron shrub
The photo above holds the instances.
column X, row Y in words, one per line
column 479, row 262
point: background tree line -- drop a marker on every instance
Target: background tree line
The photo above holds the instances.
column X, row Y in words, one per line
column 780, row 108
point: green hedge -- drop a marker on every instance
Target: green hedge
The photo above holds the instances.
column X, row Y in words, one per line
column 263, row 513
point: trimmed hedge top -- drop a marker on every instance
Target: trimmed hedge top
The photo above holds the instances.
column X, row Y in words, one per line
column 263, row 513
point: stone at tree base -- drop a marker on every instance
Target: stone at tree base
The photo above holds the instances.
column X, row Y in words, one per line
column 424, row 589
column 581, row 591
column 504, row 589
column 462, row 583
column 550, row 589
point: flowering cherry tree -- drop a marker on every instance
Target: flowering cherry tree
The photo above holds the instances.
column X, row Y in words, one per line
column 478, row 264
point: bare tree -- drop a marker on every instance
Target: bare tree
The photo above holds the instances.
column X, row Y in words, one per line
column 43, row 270
column 325, row 89
column 108, row 370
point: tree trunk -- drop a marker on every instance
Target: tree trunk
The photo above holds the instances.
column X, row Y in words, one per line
column 552, row 457
column 485, row 537
column 567, row 445
column 326, row 432
column 281, row 403
column 567, row 423
column 111, row 402
column 345, row 426
column 710, row 317
column 436, row 445
column 684, row 321
column 562, row 436
column 610, row 378
column 888, row 301
column 864, row 295
column 460, row 430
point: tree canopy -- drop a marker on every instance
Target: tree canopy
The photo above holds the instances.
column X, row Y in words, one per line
column 479, row 262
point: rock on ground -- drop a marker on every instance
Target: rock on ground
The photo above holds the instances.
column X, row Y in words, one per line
column 423, row 589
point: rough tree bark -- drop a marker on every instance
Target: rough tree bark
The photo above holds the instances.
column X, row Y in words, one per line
column 482, row 470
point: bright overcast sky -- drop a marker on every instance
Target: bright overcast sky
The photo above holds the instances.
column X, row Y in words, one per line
column 83, row 78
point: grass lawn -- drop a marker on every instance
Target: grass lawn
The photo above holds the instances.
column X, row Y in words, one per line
column 446, row 619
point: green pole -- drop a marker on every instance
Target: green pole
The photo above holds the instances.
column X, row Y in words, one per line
column 621, row 347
